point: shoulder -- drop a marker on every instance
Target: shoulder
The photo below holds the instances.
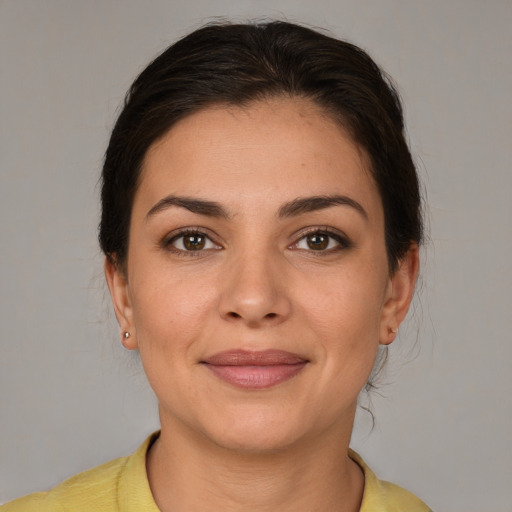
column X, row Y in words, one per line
column 92, row 490
column 400, row 499
column 385, row 496
column 104, row 488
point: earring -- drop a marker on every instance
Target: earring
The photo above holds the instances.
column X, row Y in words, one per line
column 125, row 336
column 394, row 331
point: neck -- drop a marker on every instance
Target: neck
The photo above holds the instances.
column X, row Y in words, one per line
column 188, row 472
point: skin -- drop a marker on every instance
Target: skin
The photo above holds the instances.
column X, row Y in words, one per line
column 257, row 284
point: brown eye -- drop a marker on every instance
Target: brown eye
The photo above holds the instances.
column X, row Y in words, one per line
column 317, row 241
column 322, row 241
column 194, row 242
column 191, row 241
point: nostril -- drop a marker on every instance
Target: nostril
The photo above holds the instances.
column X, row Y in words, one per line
column 233, row 314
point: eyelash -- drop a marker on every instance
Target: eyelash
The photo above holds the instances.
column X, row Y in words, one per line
column 168, row 243
column 342, row 242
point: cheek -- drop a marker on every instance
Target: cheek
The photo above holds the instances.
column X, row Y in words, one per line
column 170, row 317
column 347, row 303
column 345, row 321
column 169, row 311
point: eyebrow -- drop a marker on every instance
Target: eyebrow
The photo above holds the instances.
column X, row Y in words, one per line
column 199, row 206
column 293, row 208
column 311, row 204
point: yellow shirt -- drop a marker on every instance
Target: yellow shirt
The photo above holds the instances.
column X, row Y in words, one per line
column 122, row 486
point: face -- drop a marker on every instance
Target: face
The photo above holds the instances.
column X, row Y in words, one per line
column 257, row 286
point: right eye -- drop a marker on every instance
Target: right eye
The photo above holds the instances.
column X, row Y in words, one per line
column 191, row 241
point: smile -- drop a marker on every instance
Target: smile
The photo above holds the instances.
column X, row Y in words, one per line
column 255, row 370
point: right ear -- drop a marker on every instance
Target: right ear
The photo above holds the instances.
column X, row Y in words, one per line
column 120, row 294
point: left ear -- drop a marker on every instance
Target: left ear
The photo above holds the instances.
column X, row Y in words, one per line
column 399, row 295
column 117, row 282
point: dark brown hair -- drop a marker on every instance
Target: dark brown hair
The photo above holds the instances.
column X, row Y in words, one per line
column 236, row 64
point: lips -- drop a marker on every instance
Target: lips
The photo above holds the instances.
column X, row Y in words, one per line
column 255, row 370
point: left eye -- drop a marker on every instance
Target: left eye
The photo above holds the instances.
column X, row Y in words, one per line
column 190, row 242
column 319, row 241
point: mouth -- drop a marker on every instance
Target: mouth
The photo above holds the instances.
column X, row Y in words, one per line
column 255, row 370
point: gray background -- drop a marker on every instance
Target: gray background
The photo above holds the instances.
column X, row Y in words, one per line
column 71, row 398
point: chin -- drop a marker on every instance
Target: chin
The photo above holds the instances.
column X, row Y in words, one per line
column 258, row 432
column 256, row 441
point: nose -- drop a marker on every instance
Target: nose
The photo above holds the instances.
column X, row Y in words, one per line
column 255, row 292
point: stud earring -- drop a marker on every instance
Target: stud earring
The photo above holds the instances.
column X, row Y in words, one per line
column 126, row 335
column 394, row 331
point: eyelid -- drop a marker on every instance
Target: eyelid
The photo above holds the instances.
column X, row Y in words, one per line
column 167, row 241
column 341, row 238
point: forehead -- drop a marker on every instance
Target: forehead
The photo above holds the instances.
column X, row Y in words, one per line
column 272, row 150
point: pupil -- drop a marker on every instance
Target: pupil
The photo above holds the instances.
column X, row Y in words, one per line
column 318, row 242
column 194, row 242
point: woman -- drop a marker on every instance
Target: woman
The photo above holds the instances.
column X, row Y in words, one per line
column 261, row 223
